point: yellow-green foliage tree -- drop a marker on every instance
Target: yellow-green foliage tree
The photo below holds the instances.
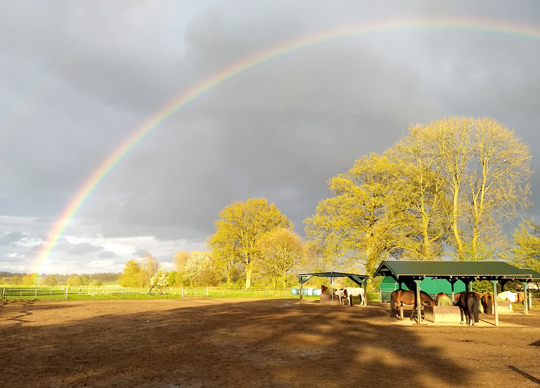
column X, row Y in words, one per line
column 282, row 251
column 133, row 275
column 429, row 196
column 149, row 265
column 527, row 245
column 27, row 281
column 240, row 227
column 366, row 216
column 200, row 270
column 50, row 280
column 486, row 168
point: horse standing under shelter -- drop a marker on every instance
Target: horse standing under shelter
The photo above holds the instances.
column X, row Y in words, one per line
column 487, row 303
column 468, row 305
column 401, row 297
column 358, row 291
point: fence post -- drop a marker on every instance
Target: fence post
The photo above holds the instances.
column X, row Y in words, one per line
column 35, row 297
column 182, row 292
column 66, row 294
column 207, row 292
column 95, row 292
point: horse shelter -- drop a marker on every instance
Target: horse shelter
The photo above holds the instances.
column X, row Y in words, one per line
column 361, row 280
column 412, row 273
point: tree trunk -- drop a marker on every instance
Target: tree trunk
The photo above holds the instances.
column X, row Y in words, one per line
column 459, row 243
column 249, row 270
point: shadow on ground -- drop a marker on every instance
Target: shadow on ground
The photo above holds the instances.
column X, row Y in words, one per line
column 209, row 343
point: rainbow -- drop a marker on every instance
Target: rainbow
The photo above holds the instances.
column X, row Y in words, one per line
column 238, row 68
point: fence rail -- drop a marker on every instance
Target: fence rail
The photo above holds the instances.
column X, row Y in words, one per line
column 87, row 293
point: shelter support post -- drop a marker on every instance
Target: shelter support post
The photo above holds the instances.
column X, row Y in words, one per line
column 452, row 282
column 525, row 299
column 302, row 280
column 418, row 304
column 495, row 309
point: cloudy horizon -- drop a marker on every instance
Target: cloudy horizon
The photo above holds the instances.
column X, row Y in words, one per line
column 79, row 78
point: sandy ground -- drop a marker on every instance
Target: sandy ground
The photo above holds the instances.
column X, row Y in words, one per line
column 255, row 343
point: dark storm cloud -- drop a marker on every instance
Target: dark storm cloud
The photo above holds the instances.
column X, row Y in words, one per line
column 78, row 78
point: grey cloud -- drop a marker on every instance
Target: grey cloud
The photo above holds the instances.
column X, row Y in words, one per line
column 11, row 237
column 107, row 255
column 76, row 80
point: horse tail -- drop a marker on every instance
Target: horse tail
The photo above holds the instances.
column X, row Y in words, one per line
column 489, row 304
column 476, row 310
column 392, row 304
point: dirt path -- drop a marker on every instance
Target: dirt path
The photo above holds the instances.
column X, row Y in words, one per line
column 255, row 343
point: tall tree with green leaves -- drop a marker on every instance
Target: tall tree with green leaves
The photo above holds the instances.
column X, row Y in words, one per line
column 133, row 275
column 527, row 245
column 240, row 227
column 282, row 251
column 498, row 182
column 429, row 199
column 367, row 215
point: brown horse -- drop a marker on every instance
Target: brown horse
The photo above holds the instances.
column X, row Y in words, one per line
column 487, row 303
column 443, row 299
column 401, row 297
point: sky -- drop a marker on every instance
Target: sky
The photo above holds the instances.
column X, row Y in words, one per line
column 284, row 96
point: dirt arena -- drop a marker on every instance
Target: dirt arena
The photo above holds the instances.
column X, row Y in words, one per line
column 255, row 343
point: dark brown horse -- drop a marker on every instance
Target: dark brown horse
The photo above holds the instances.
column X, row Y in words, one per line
column 487, row 303
column 468, row 305
column 456, row 296
column 401, row 297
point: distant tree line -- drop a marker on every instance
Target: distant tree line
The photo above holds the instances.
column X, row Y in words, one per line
column 73, row 280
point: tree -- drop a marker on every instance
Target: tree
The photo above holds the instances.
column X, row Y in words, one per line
column 133, row 275
column 498, row 181
column 50, row 280
column 527, row 245
column 27, row 281
column 15, row 279
column 199, row 269
column 180, row 260
column 449, row 144
column 366, row 217
column 426, row 187
column 96, row 283
column 159, row 279
column 149, row 266
column 240, row 226
column 281, row 252
column 486, row 168
column 74, row 281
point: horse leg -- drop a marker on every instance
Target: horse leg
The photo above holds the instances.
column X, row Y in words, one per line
column 413, row 311
column 461, row 314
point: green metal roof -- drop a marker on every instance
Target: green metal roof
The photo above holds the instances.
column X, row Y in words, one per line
column 332, row 274
column 358, row 279
column 488, row 269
